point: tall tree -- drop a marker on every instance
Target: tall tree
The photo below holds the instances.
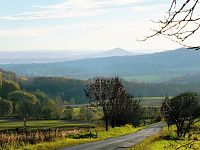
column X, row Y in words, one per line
column 99, row 95
column 111, row 96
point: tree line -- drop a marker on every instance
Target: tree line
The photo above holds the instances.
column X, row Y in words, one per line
column 20, row 103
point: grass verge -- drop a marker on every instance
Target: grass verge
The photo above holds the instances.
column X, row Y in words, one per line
column 112, row 132
column 168, row 140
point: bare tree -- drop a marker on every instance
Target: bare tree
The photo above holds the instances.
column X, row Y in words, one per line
column 182, row 22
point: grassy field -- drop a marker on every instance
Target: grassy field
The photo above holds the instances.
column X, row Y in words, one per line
column 152, row 77
column 152, row 101
column 113, row 132
column 40, row 124
column 168, row 140
column 64, row 142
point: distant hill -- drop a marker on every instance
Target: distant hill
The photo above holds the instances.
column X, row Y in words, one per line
column 186, row 79
column 46, row 56
column 113, row 52
column 156, row 67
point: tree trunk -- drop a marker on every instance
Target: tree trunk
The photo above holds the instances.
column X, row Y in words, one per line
column 113, row 122
column 106, row 121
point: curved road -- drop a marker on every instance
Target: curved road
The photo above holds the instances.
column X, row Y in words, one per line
column 122, row 142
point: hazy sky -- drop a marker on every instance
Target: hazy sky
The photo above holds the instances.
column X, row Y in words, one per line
column 81, row 24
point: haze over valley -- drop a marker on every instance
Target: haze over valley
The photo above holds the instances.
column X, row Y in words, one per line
column 154, row 67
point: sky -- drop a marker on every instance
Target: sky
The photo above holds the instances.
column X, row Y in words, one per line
column 81, row 25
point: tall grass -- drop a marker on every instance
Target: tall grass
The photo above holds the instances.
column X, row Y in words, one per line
column 112, row 132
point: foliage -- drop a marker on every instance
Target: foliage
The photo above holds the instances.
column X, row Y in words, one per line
column 151, row 113
column 8, row 75
column 6, row 107
column 182, row 110
column 70, row 90
column 7, row 87
column 68, row 113
column 118, row 107
column 86, row 113
column 52, row 110
column 54, row 87
column 24, row 103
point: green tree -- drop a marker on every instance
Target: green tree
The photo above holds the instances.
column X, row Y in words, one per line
column 42, row 97
column 42, row 101
column 8, row 87
column 5, row 107
column 68, row 113
column 52, row 110
column 118, row 107
column 182, row 110
column 86, row 113
column 24, row 103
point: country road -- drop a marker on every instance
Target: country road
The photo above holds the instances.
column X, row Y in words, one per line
column 122, row 142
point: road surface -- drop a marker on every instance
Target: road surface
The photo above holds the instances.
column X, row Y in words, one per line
column 122, row 142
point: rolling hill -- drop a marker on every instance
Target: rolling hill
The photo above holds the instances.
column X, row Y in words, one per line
column 156, row 67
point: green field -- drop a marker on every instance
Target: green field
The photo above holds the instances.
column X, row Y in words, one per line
column 152, row 101
column 152, row 78
column 40, row 124
column 112, row 132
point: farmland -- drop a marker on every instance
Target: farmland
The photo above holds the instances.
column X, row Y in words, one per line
column 152, row 101
column 41, row 124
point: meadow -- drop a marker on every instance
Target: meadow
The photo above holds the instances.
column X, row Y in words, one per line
column 65, row 142
column 41, row 124
column 152, row 101
column 75, row 132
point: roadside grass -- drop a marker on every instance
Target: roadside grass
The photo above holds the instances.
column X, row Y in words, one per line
column 168, row 140
column 112, row 132
column 40, row 124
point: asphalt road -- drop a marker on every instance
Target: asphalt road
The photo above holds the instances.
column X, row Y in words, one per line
column 122, row 142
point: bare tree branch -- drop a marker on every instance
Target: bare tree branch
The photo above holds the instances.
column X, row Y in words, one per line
column 181, row 23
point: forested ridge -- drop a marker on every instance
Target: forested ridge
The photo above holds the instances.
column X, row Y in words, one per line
column 66, row 89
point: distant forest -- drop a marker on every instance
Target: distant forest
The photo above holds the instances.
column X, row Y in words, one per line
column 67, row 89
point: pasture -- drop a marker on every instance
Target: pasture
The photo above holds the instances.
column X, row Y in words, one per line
column 152, row 101
column 41, row 124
